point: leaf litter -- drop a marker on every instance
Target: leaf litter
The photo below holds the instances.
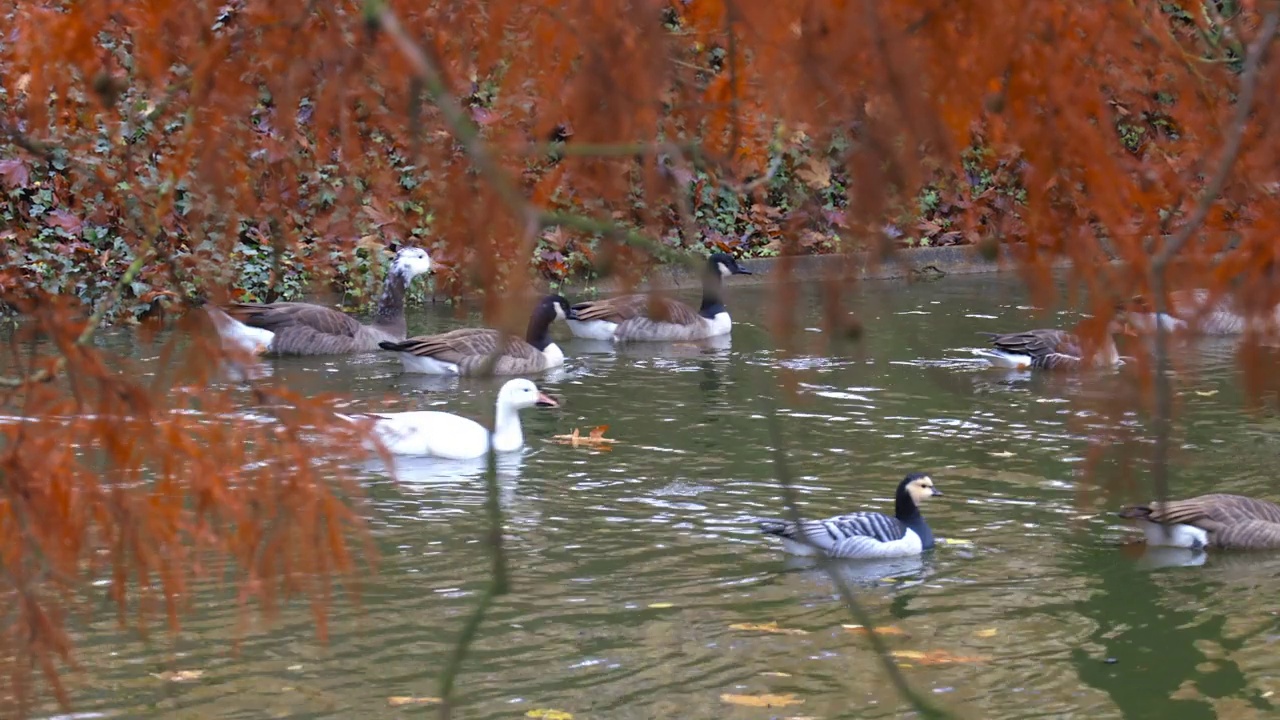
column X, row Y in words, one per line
column 769, row 627
column 593, row 439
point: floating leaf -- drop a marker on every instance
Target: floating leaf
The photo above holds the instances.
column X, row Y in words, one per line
column 660, row 606
column 774, row 673
column 985, row 633
column 594, row 439
column 547, row 714
column 397, row 701
column 178, row 675
column 1002, row 454
column 882, row 630
column 952, row 541
column 1206, row 393
column 936, row 657
column 766, row 700
column 770, row 627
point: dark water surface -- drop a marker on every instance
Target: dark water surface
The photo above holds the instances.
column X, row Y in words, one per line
column 630, row 566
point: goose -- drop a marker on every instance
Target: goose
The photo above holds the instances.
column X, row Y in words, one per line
column 464, row 351
column 628, row 317
column 445, row 435
column 298, row 328
column 1049, row 349
column 1188, row 309
column 1219, row 520
column 865, row 534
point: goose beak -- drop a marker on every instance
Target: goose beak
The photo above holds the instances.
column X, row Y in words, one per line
column 739, row 270
column 936, row 492
column 545, row 400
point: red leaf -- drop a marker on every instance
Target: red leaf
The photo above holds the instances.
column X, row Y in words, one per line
column 14, row 173
column 64, row 220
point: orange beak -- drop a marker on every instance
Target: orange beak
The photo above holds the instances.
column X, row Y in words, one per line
column 545, row 400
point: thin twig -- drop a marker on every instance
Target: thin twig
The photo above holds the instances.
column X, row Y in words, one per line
column 783, row 473
column 1159, row 265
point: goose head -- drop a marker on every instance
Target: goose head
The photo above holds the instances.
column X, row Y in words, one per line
column 918, row 487
column 521, row 393
column 724, row 264
column 411, row 262
column 558, row 305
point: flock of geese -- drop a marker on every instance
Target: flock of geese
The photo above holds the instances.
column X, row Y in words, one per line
column 1216, row 520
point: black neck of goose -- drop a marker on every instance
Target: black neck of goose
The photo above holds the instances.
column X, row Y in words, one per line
column 906, row 510
column 539, row 332
column 711, row 284
column 390, row 312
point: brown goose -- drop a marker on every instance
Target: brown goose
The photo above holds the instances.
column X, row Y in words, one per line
column 1049, row 349
column 1216, row 520
column 296, row 328
column 1188, row 309
column 639, row 317
column 464, row 351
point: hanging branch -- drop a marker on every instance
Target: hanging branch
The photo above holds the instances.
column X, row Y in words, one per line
column 1160, row 264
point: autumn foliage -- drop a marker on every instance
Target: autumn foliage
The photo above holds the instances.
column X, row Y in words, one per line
column 158, row 155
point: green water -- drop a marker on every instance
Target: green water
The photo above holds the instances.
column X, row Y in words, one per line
column 630, row 566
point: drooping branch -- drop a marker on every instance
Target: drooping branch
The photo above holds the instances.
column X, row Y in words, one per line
column 1160, row 263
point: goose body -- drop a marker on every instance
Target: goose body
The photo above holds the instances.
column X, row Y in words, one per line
column 1218, row 520
column 297, row 328
column 1046, row 349
column 865, row 534
column 445, row 435
column 465, row 351
column 640, row 317
column 1192, row 310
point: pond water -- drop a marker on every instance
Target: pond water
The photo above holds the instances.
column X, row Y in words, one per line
column 630, row 567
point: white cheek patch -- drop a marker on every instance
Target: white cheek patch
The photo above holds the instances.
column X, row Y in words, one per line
column 724, row 270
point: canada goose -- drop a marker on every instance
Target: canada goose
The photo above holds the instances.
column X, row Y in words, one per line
column 627, row 317
column 445, row 435
column 1216, row 520
column 1049, row 349
column 866, row 534
column 465, row 350
column 297, row 328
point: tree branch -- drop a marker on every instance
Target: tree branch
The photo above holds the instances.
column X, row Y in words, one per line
column 1160, row 264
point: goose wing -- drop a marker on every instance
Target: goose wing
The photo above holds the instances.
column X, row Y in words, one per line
column 464, row 344
column 1211, row 512
column 848, row 535
column 280, row 316
column 625, row 307
column 1251, row 534
column 1036, row 343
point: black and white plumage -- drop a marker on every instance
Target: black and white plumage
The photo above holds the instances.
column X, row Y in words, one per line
column 865, row 534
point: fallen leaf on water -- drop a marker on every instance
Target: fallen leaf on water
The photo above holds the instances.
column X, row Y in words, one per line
column 594, row 439
column 936, row 657
column 772, row 673
column 398, row 700
column 952, row 541
column 178, row 675
column 985, row 633
column 1002, row 454
column 1206, row 393
column 659, row 606
column 549, row 714
column 883, row 630
column 770, row 627
column 761, row 700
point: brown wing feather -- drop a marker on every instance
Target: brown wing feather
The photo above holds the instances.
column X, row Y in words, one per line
column 1212, row 510
column 626, row 307
column 466, row 347
column 1037, row 343
column 279, row 316
column 1251, row 534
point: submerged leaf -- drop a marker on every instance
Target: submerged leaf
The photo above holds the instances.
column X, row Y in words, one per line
column 985, row 633
column 766, row 700
column 882, row 630
column 936, row 657
column 769, row 627
column 547, row 714
column 398, row 700
column 178, row 675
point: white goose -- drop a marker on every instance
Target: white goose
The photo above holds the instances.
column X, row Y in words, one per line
column 865, row 534
column 445, row 435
